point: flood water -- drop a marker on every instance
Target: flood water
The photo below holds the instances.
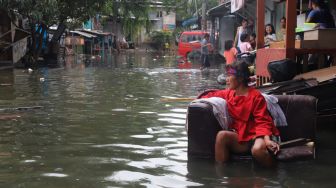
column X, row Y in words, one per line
column 106, row 125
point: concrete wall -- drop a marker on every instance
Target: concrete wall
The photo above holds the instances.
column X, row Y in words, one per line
column 157, row 21
column 269, row 12
column 108, row 27
column 226, row 31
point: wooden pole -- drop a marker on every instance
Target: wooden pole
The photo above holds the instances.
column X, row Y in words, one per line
column 91, row 42
column 260, row 23
column 290, row 29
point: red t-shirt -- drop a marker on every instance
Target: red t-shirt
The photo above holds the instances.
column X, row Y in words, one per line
column 230, row 55
column 250, row 114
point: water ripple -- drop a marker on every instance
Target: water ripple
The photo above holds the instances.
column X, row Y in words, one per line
column 130, row 146
column 126, row 177
column 174, row 115
column 173, row 121
column 57, row 175
column 142, row 136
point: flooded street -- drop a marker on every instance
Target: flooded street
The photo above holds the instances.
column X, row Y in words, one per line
column 105, row 125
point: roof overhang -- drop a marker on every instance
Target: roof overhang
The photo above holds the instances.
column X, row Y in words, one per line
column 190, row 21
column 84, row 34
column 220, row 10
column 97, row 32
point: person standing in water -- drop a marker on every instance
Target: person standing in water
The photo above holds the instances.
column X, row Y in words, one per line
column 205, row 48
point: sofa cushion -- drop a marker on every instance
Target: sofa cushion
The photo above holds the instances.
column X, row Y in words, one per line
column 301, row 113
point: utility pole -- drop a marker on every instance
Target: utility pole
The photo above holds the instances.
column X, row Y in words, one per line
column 196, row 8
column 115, row 10
column 204, row 9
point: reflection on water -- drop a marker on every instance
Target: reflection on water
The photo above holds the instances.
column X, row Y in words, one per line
column 105, row 125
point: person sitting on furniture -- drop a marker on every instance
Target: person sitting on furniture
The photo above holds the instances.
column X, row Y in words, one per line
column 269, row 34
column 320, row 15
column 245, row 45
column 252, row 127
column 281, row 34
column 253, row 41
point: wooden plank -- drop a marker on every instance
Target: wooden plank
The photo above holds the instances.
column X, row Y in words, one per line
column 298, row 44
column 315, row 50
column 320, row 75
column 321, row 34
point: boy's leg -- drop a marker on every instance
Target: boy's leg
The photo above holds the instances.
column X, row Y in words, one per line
column 261, row 154
column 202, row 61
column 227, row 141
column 206, row 61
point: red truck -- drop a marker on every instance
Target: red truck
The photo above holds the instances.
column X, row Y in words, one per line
column 189, row 41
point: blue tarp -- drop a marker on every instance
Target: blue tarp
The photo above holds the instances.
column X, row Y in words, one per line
column 190, row 21
column 45, row 36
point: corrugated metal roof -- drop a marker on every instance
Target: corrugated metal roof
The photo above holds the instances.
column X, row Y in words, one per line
column 84, row 34
column 97, row 32
column 219, row 9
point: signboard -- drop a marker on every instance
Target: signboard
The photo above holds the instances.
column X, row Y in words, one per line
column 169, row 21
column 236, row 5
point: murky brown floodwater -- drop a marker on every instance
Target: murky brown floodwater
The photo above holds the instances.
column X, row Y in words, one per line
column 104, row 125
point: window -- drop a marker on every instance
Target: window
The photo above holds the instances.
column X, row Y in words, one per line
column 190, row 38
column 184, row 38
column 159, row 14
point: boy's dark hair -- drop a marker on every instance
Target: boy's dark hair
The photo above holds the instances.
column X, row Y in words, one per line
column 283, row 18
column 206, row 35
column 242, row 70
column 253, row 35
column 244, row 36
column 228, row 45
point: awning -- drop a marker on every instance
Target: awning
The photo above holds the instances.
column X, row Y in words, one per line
column 220, row 10
column 87, row 35
column 190, row 21
column 97, row 32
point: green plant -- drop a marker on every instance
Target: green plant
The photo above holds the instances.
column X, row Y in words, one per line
column 159, row 38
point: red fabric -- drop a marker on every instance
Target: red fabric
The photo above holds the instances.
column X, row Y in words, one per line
column 250, row 114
